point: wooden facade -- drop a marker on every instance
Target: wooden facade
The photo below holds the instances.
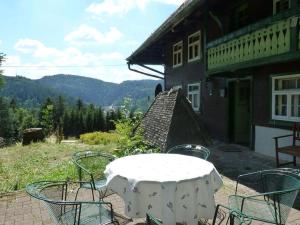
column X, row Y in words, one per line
column 244, row 45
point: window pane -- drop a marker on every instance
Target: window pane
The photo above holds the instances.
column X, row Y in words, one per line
column 288, row 84
column 191, row 98
column 190, row 52
column 295, row 109
column 196, row 101
column 280, row 105
column 196, row 51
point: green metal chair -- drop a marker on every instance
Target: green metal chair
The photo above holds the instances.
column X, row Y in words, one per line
column 234, row 217
column 278, row 189
column 191, row 150
column 90, row 166
column 58, row 196
column 151, row 220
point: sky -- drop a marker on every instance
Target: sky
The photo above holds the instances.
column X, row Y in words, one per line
column 90, row 38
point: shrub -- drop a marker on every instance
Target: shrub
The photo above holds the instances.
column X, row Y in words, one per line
column 97, row 138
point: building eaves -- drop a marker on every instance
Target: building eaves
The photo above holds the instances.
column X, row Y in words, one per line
column 183, row 11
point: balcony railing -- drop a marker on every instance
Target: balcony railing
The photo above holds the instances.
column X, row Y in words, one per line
column 271, row 37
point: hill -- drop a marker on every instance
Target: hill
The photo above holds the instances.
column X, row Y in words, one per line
column 89, row 90
column 26, row 91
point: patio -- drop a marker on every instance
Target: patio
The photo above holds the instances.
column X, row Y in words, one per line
column 230, row 160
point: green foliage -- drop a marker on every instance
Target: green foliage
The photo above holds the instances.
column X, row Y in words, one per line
column 7, row 120
column 131, row 143
column 47, row 120
column 97, row 138
column 2, row 58
column 32, row 93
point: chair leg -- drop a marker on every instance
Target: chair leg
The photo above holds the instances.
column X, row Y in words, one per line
column 215, row 216
column 231, row 219
column 277, row 159
column 77, row 193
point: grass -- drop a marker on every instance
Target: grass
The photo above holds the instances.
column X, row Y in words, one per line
column 20, row 165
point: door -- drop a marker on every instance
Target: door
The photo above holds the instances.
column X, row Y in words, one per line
column 239, row 111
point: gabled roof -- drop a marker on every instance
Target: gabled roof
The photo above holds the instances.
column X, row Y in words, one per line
column 171, row 121
column 178, row 16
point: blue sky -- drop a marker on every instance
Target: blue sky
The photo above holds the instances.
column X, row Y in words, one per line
column 82, row 37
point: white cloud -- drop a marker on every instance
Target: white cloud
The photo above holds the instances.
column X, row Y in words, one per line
column 34, row 47
column 44, row 60
column 85, row 35
column 121, row 7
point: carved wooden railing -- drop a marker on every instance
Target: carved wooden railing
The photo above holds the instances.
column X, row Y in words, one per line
column 268, row 38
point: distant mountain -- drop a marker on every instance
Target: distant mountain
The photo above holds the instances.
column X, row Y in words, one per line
column 27, row 92
column 89, row 90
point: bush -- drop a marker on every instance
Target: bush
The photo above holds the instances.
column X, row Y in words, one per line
column 97, row 138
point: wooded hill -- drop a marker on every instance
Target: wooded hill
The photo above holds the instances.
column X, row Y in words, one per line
column 97, row 92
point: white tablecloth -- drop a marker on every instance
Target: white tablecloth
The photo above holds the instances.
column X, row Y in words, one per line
column 172, row 187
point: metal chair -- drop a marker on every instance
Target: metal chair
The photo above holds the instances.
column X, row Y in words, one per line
column 64, row 210
column 150, row 220
column 234, row 217
column 278, row 190
column 191, row 150
column 90, row 166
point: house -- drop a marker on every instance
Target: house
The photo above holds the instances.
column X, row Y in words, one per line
column 237, row 61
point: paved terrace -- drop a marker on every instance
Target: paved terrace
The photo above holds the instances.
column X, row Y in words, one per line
column 230, row 160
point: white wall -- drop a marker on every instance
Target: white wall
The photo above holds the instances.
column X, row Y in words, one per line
column 265, row 144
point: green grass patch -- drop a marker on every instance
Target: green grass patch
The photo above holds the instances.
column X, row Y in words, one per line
column 20, row 165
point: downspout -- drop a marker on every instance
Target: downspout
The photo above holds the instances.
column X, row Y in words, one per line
column 144, row 73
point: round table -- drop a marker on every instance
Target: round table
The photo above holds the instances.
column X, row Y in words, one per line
column 172, row 187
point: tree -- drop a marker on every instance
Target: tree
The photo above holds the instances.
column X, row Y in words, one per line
column 2, row 58
column 47, row 116
column 59, row 108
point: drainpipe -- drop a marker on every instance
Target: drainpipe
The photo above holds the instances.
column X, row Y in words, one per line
column 144, row 73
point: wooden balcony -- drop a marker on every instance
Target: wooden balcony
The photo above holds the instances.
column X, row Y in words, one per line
column 272, row 40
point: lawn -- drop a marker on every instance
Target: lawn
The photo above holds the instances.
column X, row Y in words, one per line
column 40, row 161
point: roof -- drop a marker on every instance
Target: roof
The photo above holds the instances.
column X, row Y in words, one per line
column 183, row 11
column 171, row 121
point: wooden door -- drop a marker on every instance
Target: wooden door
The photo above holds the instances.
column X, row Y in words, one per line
column 240, row 111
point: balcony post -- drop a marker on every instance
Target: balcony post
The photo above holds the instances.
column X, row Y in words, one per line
column 294, row 32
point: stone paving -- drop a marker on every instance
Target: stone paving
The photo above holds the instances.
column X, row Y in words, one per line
column 19, row 209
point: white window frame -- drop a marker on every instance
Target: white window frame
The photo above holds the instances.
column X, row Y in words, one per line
column 274, row 6
column 193, row 44
column 177, row 53
column 289, row 94
column 196, row 92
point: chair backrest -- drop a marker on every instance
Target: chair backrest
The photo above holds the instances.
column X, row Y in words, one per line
column 91, row 163
column 296, row 133
column 55, row 197
column 191, row 150
column 285, row 185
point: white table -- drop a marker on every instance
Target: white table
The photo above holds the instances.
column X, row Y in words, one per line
column 172, row 187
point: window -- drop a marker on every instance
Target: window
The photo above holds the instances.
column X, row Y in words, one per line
column 194, row 95
column 280, row 5
column 286, row 98
column 177, row 54
column 194, row 44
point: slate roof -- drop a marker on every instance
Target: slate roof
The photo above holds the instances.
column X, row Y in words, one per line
column 171, row 121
